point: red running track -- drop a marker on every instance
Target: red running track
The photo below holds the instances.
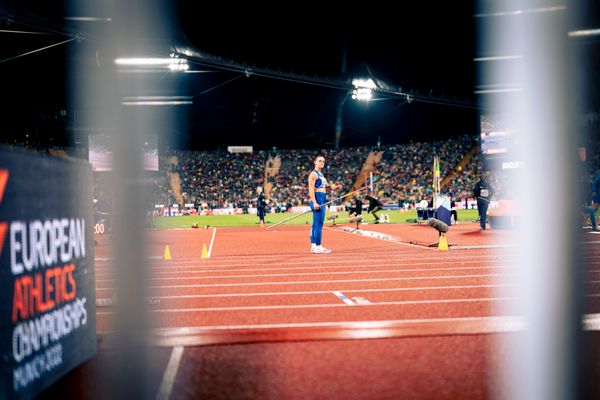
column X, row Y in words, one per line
column 271, row 317
column 261, row 282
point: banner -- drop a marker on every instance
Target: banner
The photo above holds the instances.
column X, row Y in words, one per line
column 47, row 288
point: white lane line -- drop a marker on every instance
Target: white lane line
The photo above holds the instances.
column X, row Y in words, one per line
column 336, row 255
column 166, row 386
column 504, row 324
column 313, row 292
column 354, row 263
column 381, row 271
column 323, row 305
column 590, row 322
column 212, row 241
column 402, row 266
column 404, row 263
column 343, row 298
column 331, row 281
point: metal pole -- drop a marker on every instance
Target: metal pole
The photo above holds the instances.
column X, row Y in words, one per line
column 339, row 120
column 322, row 205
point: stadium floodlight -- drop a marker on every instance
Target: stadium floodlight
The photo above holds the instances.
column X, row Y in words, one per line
column 157, row 100
column 363, row 89
column 364, row 83
column 171, row 63
column 362, row 94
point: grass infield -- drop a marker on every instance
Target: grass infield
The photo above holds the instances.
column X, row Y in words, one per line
column 396, row 217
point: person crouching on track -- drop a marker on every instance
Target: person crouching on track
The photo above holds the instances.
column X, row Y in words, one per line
column 374, row 206
column 317, row 186
column 356, row 209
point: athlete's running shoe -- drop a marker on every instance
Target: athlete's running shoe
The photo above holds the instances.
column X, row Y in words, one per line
column 320, row 250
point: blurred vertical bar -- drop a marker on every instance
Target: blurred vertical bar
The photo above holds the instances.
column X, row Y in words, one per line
column 527, row 75
column 124, row 29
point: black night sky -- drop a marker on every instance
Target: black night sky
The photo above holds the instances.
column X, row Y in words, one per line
column 424, row 48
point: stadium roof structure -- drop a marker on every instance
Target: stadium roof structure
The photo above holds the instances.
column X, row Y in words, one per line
column 268, row 78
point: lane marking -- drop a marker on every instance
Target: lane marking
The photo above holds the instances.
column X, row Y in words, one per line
column 336, row 265
column 312, row 292
column 380, row 254
column 507, row 323
column 343, row 298
column 502, row 323
column 361, row 300
column 324, row 305
column 381, row 271
column 104, row 258
column 212, row 241
column 331, row 281
column 208, row 335
column 166, row 386
column 215, row 285
column 194, row 269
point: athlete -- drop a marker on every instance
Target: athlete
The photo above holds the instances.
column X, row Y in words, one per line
column 317, row 186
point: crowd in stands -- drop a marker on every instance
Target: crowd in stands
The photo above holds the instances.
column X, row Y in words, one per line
column 406, row 170
column 403, row 176
column 219, row 179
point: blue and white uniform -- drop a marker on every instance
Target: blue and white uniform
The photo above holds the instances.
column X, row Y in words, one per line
column 316, row 233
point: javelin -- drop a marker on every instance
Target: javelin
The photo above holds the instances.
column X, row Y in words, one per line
column 322, row 205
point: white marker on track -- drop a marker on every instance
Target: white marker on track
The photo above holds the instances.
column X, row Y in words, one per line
column 343, row 298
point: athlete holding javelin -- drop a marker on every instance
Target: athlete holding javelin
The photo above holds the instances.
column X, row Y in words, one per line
column 317, row 186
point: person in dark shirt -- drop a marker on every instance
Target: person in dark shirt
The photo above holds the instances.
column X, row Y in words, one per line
column 596, row 190
column 261, row 206
column 374, row 206
column 453, row 211
column 354, row 208
column 482, row 191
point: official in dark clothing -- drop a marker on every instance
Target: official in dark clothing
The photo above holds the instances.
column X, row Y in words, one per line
column 261, row 205
column 483, row 193
column 356, row 208
column 453, row 211
column 374, row 206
